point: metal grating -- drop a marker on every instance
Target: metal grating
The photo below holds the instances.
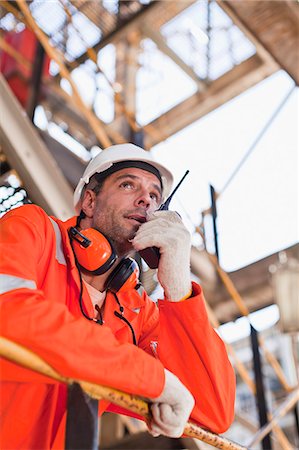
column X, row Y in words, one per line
column 199, row 33
column 12, row 193
column 61, row 20
column 207, row 40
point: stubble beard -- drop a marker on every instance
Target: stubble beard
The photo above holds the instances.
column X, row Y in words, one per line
column 120, row 238
column 117, row 232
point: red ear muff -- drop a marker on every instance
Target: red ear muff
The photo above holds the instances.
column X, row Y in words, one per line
column 94, row 252
column 125, row 276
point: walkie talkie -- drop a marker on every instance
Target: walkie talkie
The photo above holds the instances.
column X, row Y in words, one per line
column 151, row 255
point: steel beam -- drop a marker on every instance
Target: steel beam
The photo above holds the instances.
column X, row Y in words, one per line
column 27, row 154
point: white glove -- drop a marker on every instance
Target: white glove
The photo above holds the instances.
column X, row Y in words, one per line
column 166, row 231
column 172, row 409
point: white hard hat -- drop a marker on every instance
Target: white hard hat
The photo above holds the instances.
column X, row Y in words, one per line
column 117, row 153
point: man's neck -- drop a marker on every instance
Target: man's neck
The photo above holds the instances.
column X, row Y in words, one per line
column 97, row 281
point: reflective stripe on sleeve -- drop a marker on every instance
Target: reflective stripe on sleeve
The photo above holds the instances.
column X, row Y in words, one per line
column 9, row 283
column 140, row 290
column 59, row 248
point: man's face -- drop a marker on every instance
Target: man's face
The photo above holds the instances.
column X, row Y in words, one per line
column 124, row 202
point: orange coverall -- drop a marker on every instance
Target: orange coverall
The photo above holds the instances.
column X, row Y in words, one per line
column 40, row 310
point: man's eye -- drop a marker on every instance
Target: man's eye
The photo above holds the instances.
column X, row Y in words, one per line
column 154, row 197
column 127, row 185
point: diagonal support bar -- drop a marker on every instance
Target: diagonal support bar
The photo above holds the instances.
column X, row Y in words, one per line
column 55, row 55
column 283, row 409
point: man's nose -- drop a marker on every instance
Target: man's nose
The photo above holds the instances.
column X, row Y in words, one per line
column 144, row 199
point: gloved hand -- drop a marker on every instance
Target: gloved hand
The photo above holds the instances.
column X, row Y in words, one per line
column 171, row 410
column 165, row 230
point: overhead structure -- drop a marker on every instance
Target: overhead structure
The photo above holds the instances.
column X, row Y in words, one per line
column 82, row 30
column 272, row 27
column 28, row 155
column 252, row 281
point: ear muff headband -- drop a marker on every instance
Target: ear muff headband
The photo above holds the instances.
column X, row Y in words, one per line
column 94, row 252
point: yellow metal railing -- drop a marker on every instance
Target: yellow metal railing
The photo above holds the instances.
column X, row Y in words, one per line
column 26, row 358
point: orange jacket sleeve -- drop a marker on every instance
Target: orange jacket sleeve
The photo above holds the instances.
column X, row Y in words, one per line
column 73, row 346
column 187, row 345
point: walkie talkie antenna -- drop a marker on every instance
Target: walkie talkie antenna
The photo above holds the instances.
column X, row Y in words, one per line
column 168, row 200
column 151, row 255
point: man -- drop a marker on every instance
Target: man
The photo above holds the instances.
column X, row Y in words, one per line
column 84, row 320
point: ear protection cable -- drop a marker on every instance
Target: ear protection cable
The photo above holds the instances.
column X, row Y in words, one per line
column 123, row 268
column 100, row 321
column 93, row 319
column 122, row 317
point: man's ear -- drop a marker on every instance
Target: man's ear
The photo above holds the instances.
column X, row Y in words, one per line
column 88, row 203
